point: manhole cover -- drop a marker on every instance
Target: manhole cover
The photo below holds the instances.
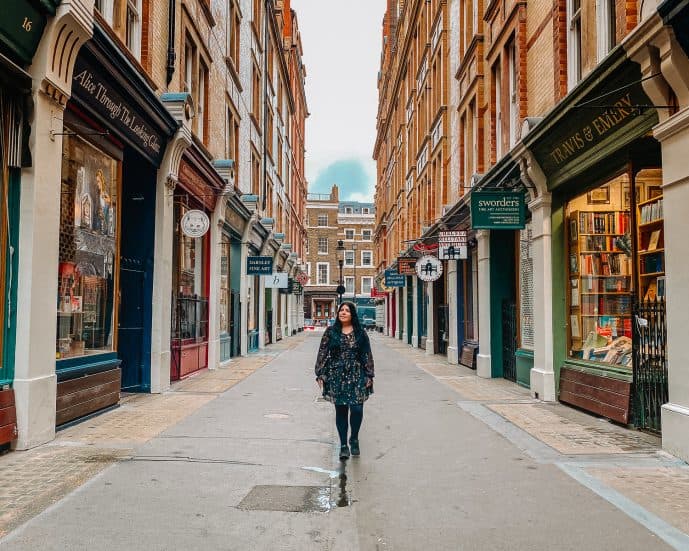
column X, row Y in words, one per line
column 291, row 499
column 276, row 416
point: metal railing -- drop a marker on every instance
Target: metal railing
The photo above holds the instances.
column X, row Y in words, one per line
column 650, row 363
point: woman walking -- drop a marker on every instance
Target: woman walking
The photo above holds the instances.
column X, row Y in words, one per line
column 344, row 371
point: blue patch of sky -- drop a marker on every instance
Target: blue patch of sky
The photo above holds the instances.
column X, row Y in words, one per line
column 354, row 181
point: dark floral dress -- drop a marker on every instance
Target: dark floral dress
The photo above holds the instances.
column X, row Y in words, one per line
column 344, row 370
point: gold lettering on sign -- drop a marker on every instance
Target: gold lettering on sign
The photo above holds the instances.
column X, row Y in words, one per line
column 597, row 128
column 26, row 24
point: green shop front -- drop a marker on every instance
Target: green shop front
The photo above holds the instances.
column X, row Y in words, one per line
column 603, row 169
column 501, row 220
column 21, row 29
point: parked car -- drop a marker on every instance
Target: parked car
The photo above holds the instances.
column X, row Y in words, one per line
column 368, row 323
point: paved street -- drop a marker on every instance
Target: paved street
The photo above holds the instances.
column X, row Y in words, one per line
column 247, row 459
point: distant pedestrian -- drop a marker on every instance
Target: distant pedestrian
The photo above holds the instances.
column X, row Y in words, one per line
column 344, row 372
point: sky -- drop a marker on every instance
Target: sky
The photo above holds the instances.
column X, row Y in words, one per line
column 342, row 44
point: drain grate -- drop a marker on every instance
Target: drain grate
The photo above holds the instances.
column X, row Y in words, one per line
column 290, row 499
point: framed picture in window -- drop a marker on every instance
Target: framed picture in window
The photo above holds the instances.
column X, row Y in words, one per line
column 653, row 191
column 599, row 196
column 660, row 287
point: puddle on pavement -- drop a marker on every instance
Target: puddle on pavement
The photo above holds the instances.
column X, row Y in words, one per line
column 337, row 494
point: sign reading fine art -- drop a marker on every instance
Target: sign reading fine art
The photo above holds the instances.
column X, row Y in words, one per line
column 429, row 268
column 497, row 210
column 393, row 279
column 259, row 265
column 452, row 245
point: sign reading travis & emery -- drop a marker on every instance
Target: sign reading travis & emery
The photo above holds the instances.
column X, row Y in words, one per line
column 97, row 92
column 497, row 210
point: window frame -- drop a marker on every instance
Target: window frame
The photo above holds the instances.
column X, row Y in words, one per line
column 370, row 255
column 369, row 279
column 574, row 43
column 323, row 249
column 319, row 265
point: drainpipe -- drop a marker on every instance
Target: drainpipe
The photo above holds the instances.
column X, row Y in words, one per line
column 170, row 68
column 264, row 187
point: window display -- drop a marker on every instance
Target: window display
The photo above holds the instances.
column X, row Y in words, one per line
column 600, row 276
column 88, row 249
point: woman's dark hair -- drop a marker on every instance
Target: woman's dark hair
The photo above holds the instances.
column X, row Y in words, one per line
column 336, row 329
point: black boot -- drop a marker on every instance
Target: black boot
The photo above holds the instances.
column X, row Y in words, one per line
column 354, row 444
column 344, row 452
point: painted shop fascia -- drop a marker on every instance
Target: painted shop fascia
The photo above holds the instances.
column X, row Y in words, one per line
column 115, row 135
column 597, row 137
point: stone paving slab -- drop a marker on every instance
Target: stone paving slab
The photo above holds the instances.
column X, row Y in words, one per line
column 664, row 491
column 30, row 481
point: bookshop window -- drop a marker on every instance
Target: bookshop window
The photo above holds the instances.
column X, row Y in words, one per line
column 526, row 288
column 600, row 272
column 224, row 294
column 88, row 248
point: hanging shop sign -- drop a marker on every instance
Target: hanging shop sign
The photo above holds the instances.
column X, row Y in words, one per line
column 303, row 278
column 375, row 293
column 406, row 265
column 278, row 280
column 423, row 248
column 429, row 268
column 297, row 288
column 259, row 265
column 393, row 279
column 498, row 210
column 452, row 245
column 195, row 223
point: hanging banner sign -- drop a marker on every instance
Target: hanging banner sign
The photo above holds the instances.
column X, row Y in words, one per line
column 422, row 248
column 498, row 210
column 406, row 265
column 259, row 265
column 195, row 223
column 393, row 279
column 429, row 268
column 453, row 252
column 458, row 238
column 278, row 280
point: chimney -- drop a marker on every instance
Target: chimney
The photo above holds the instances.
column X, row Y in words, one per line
column 335, row 194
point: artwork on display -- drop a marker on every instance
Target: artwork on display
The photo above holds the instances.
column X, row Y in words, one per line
column 599, row 196
column 660, row 287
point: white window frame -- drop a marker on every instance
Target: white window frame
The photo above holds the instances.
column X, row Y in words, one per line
column 322, row 240
column 320, row 219
column 366, row 253
column 605, row 27
column 349, row 258
column 513, row 92
column 364, row 233
column 498, row 108
column 308, row 273
column 348, row 210
column 349, row 283
column 574, row 44
column 365, row 210
column 364, row 280
column 133, row 33
column 347, row 236
column 319, row 265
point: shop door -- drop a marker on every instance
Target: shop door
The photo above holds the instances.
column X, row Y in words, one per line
column 509, row 340
column 410, row 309
column 235, row 323
column 130, row 345
column 650, row 363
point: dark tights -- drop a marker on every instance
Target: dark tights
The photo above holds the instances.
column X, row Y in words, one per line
column 356, row 416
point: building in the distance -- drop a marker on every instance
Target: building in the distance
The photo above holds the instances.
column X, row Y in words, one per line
column 339, row 233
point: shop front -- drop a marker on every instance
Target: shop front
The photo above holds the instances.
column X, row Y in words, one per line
column 229, row 303
column 114, row 137
column 195, row 198
column 604, row 172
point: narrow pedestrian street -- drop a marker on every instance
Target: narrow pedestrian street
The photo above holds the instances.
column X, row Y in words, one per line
column 449, row 461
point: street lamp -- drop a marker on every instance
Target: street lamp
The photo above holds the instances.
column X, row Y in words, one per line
column 354, row 249
column 340, row 261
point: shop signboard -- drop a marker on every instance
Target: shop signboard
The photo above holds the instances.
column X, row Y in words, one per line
column 195, row 223
column 393, row 279
column 303, row 278
column 21, row 26
column 406, row 265
column 498, row 210
column 429, row 268
column 278, row 280
column 259, row 265
column 452, row 245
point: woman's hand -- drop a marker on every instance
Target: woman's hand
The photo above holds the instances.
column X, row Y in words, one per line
column 369, row 382
column 320, row 383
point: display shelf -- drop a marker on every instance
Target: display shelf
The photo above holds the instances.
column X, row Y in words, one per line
column 654, row 223
column 654, row 251
column 652, row 274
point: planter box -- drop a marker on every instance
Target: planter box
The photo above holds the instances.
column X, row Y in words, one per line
column 603, row 396
column 87, row 394
column 8, row 417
